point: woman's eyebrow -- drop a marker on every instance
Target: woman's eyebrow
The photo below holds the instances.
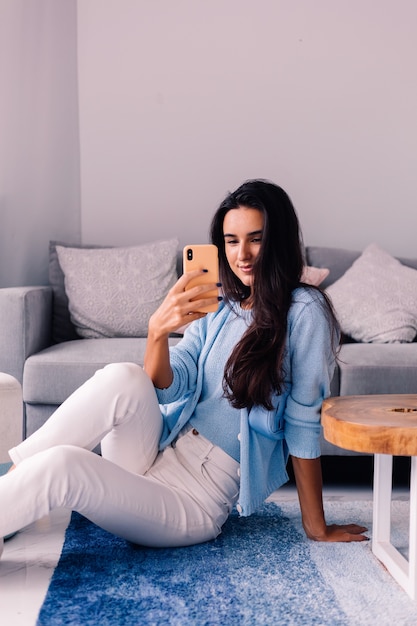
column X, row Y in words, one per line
column 255, row 232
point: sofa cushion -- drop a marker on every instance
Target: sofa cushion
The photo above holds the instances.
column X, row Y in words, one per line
column 51, row 375
column 376, row 299
column 377, row 368
column 62, row 327
column 112, row 292
column 314, row 275
column 337, row 260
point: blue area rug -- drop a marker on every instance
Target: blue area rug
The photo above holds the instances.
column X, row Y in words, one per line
column 261, row 570
column 257, row 571
column 4, row 468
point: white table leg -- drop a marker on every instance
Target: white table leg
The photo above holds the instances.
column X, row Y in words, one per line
column 382, row 499
column 404, row 572
column 412, row 559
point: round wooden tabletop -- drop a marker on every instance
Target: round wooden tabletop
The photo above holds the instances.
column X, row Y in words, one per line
column 377, row 424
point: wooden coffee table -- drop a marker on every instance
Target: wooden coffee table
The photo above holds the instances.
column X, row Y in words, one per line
column 386, row 426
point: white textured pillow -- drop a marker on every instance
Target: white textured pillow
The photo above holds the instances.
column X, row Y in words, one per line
column 376, row 299
column 314, row 275
column 112, row 292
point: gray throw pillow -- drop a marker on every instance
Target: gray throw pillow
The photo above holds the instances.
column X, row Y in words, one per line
column 112, row 292
column 62, row 327
column 376, row 299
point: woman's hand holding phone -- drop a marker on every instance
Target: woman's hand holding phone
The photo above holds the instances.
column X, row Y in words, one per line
column 193, row 295
column 184, row 303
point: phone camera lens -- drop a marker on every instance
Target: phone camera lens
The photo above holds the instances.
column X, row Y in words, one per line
column 189, row 254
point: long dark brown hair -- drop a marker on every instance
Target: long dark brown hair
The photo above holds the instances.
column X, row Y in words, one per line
column 254, row 369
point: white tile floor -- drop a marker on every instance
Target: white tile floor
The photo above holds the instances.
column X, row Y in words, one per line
column 26, row 566
column 30, row 556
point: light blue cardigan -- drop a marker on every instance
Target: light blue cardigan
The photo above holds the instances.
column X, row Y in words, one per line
column 309, row 365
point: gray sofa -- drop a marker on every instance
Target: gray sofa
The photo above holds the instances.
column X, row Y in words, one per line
column 51, row 363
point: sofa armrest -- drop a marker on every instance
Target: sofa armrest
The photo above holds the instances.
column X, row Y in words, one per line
column 25, row 326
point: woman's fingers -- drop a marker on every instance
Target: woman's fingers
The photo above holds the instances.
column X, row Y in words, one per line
column 355, row 529
column 186, row 278
column 346, row 533
column 182, row 306
column 196, row 297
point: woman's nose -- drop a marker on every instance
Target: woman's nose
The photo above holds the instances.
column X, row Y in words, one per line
column 244, row 252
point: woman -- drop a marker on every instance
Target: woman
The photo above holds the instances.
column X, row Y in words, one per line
column 210, row 423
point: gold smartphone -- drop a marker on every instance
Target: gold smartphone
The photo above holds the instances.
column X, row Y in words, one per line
column 203, row 257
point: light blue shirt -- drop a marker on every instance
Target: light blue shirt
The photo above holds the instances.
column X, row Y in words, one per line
column 309, row 365
column 223, row 426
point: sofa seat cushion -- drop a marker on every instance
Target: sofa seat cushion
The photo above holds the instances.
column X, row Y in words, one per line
column 51, row 375
column 377, row 368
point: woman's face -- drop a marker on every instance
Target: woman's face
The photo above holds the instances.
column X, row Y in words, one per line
column 242, row 230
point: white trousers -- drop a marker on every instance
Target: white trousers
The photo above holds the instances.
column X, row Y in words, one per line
column 176, row 497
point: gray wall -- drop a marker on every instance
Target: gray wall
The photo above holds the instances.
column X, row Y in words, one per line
column 39, row 137
column 181, row 101
column 124, row 121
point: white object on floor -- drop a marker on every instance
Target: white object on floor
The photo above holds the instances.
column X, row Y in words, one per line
column 404, row 571
column 11, row 414
column 26, row 568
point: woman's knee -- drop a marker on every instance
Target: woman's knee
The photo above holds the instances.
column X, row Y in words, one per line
column 67, row 475
column 125, row 373
column 59, row 459
column 126, row 377
column 128, row 388
column 55, row 466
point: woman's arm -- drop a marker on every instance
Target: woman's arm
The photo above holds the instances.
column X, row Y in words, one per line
column 308, row 479
column 156, row 359
column 177, row 309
